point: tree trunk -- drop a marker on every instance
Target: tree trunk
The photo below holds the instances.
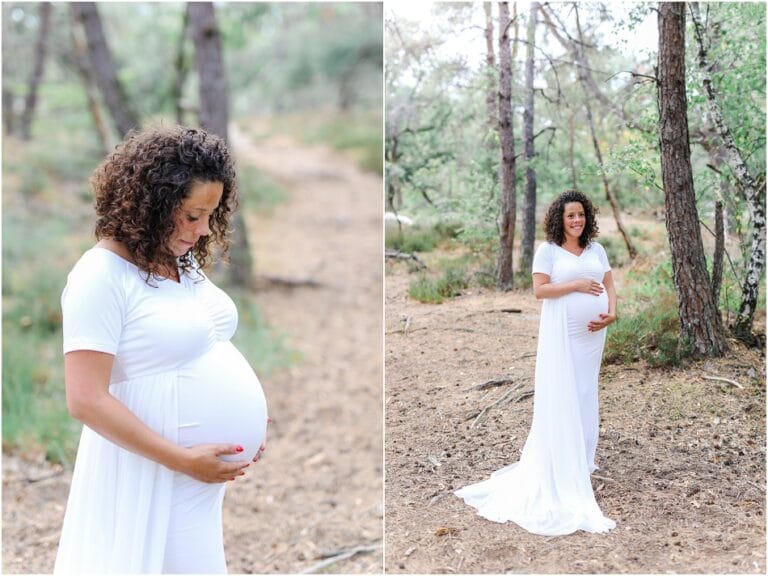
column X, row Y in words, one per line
column 80, row 57
column 394, row 195
column 214, row 103
column 37, row 72
column 581, row 66
column 182, row 70
column 507, row 166
column 717, row 260
column 742, row 328
column 8, row 124
column 701, row 326
column 529, row 201
column 571, row 157
column 7, row 94
column 214, row 116
column 115, row 99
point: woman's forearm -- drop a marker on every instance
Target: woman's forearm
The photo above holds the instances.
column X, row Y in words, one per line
column 113, row 420
column 551, row 290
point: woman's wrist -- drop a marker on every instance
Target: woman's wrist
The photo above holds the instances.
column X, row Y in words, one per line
column 176, row 458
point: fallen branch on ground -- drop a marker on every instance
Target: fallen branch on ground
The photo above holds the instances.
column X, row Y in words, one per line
column 281, row 282
column 496, row 311
column 603, row 478
column 339, row 555
column 506, row 397
column 493, row 383
column 726, row 380
column 397, row 255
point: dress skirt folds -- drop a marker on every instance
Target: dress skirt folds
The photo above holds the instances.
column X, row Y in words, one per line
column 549, row 491
column 119, row 504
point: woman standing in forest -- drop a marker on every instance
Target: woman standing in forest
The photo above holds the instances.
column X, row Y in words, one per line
column 171, row 409
column 549, row 491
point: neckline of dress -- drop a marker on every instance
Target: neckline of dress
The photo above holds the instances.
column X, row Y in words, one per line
column 182, row 274
column 571, row 253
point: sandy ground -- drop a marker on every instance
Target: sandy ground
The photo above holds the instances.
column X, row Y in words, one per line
column 682, row 458
column 317, row 491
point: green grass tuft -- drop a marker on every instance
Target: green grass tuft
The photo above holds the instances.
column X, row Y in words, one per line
column 434, row 290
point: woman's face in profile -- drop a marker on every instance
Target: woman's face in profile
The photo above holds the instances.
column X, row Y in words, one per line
column 193, row 216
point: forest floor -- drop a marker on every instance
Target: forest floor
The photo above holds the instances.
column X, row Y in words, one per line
column 682, row 459
column 317, row 491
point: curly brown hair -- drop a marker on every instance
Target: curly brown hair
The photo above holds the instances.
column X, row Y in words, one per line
column 553, row 221
column 141, row 184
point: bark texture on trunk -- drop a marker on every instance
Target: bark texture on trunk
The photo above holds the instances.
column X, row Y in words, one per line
column 214, row 117
column 529, row 200
column 755, row 196
column 717, row 260
column 41, row 49
column 104, row 71
column 700, row 323
column 214, row 104
column 507, row 166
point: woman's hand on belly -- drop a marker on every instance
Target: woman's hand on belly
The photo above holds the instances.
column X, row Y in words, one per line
column 603, row 321
column 202, row 462
column 587, row 286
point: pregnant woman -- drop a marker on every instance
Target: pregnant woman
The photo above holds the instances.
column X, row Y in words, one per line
column 171, row 409
column 549, row 491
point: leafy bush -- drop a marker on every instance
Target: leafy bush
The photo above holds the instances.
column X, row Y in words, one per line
column 434, row 290
column 413, row 239
column 649, row 329
column 615, row 249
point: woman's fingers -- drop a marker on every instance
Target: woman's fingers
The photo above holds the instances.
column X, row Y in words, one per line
column 226, row 449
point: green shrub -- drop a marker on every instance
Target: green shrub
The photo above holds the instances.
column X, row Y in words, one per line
column 434, row 290
column 34, row 407
column 649, row 328
column 419, row 238
column 615, row 249
column 411, row 239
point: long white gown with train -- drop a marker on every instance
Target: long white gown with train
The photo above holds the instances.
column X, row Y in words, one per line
column 548, row 491
column 176, row 369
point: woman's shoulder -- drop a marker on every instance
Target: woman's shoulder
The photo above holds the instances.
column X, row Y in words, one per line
column 546, row 246
column 596, row 246
column 102, row 261
column 100, row 269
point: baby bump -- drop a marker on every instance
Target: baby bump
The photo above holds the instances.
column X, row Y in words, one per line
column 221, row 401
column 582, row 309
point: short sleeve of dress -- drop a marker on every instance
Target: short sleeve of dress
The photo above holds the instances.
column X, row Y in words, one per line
column 603, row 257
column 542, row 260
column 93, row 305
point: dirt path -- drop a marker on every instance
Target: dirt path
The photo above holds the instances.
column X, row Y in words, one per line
column 318, row 488
column 682, row 459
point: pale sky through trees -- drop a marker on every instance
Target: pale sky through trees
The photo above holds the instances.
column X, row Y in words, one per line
column 640, row 43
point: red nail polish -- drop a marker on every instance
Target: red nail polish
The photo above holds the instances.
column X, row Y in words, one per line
column 239, row 448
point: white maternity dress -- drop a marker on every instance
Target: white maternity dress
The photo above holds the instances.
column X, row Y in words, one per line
column 549, row 491
column 175, row 368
